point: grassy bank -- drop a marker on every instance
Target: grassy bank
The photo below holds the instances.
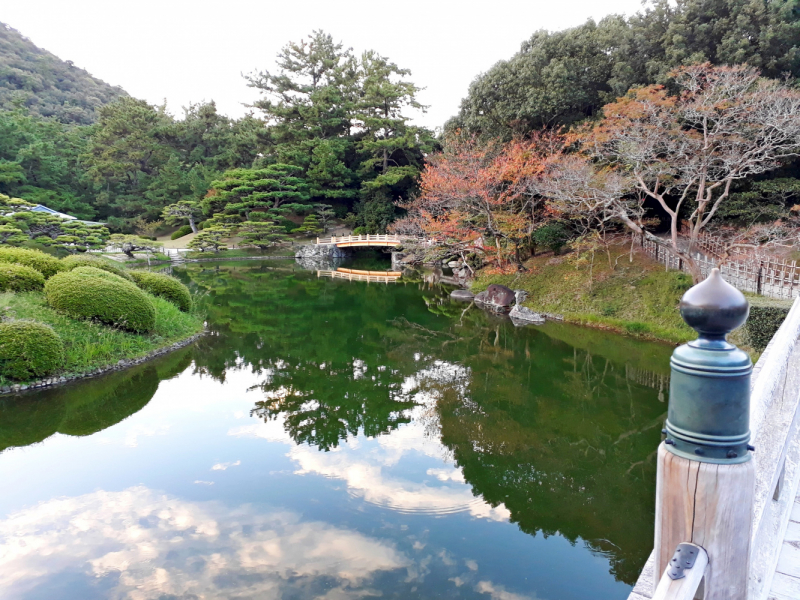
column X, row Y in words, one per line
column 637, row 298
column 89, row 345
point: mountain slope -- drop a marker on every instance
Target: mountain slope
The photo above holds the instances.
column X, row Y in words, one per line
column 45, row 84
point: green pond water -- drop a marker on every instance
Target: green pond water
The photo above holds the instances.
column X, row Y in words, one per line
column 339, row 440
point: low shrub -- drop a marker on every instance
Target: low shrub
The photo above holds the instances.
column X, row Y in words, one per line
column 165, row 287
column 552, row 236
column 19, row 278
column 44, row 263
column 29, row 350
column 766, row 316
column 360, row 230
column 87, row 260
column 185, row 230
column 90, row 293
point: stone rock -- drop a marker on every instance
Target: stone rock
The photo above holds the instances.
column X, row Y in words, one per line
column 521, row 315
column 482, row 297
column 520, row 296
column 497, row 295
column 465, row 295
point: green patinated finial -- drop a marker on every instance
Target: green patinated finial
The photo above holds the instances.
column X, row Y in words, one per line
column 709, row 406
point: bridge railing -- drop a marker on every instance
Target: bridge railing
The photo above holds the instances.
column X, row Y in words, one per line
column 775, row 433
column 359, row 238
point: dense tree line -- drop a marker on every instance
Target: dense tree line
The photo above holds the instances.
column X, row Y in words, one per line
column 330, row 132
column 559, row 78
column 337, row 121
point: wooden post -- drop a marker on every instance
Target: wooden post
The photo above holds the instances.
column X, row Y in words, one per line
column 684, row 588
column 712, row 506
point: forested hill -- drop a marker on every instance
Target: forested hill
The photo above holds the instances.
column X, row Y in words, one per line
column 46, row 85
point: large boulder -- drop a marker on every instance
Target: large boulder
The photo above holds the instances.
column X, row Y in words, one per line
column 499, row 296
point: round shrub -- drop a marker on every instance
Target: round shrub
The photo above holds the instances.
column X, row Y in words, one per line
column 185, row 230
column 87, row 260
column 89, row 293
column 29, row 350
column 164, row 286
column 19, row 278
column 35, row 259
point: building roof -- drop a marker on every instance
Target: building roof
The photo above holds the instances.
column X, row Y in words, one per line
column 50, row 211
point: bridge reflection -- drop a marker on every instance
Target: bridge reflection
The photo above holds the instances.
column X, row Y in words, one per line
column 358, row 275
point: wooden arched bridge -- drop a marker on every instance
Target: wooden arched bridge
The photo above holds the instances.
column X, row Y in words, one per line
column 353, row 241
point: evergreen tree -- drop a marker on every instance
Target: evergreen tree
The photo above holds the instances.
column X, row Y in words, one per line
column 278, row 189
column 391, row 151
column 185, row 210
column 310, row 226
column 261, row 234
column 127, row 150
column 308, row 107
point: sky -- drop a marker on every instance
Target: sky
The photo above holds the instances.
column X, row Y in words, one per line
column 190, row 51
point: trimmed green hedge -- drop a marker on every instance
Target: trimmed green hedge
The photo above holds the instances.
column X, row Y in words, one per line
column 184, row 230
column 766, row 316
column 164, row 286
column 29, row 349
column 90, row 293
column 19, row 278
column 44, row 263
column 87, row 260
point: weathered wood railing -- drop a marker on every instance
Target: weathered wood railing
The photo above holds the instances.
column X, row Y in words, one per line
column 775, row 427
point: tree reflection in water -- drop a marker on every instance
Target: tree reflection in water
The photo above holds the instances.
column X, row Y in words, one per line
column 547, row 421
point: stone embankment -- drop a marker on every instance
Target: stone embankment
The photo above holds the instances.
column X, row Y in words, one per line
column 118, row 366
column 320, row 256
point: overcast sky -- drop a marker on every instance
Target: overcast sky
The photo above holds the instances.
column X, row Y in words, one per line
column 189, row 51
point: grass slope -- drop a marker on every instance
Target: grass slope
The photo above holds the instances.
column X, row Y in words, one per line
column 90, row 345
column 638, row 298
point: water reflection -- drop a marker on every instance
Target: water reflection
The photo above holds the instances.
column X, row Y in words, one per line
column 87, row 407
column 140, row 544
column 332, row 439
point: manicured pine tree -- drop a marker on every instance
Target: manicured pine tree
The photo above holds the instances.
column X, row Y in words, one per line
column 279, row 189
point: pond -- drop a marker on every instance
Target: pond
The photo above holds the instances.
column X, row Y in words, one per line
column 339, row 439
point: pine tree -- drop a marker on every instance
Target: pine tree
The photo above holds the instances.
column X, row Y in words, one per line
column 279, row 189
column 308, row 107
column 391, row 150
column 310, row 226
column 262, row 234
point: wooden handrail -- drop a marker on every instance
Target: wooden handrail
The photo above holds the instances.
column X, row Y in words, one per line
column 686, row 587
column 349, row 239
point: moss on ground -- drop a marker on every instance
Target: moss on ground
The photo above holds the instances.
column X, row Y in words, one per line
column 637, row 298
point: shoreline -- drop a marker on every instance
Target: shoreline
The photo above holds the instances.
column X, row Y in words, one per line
column 54, row 381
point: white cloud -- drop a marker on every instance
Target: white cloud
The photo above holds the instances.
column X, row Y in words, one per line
column 447, row 474
column 161, row 545
column 225, row 466
column 498, row 592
